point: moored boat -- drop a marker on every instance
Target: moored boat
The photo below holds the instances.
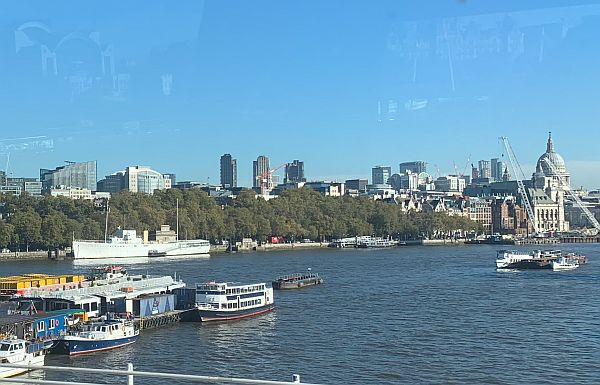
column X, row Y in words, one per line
column 98, row 336
column 564, row 264
column 126, row 244
column 297, row 281
column 20, row 352
column 226, row 301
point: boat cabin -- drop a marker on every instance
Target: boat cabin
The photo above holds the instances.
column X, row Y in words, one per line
column 230, row 296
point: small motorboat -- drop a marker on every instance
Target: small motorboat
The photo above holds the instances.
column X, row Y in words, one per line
column 21, row 352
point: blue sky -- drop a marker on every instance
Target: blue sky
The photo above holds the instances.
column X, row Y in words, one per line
column 342, row 85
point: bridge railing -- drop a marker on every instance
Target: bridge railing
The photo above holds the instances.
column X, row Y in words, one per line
column 131, row 375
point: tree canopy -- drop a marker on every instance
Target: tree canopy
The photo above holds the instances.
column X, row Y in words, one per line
column 50, row 222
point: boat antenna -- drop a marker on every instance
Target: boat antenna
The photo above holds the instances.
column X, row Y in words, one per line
column 177, row 203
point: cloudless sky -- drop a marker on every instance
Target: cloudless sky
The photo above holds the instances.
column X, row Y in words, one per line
column 341, row 85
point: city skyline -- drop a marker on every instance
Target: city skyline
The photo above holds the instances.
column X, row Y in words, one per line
column 218, row 85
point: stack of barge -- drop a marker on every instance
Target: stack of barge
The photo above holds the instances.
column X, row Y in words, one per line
column 297, row 281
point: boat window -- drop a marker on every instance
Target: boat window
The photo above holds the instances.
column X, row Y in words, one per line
column 223, row 306
column 4, row 347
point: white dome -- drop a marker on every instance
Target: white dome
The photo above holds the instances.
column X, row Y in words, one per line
column 551, row 156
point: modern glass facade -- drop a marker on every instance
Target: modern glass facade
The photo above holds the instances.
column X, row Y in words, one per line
column 82, row 175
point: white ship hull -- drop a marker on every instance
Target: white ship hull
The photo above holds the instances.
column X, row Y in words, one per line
column 92, row 250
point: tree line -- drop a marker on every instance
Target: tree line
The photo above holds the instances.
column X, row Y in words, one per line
column 52, row 222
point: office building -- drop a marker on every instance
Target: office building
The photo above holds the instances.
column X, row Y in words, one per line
column 228, row 171
column 135, row 179
column 82, row 175
column 172, row 177
column 497, row 169
column 294, row 172
column 415, row 167
column 485, row 169
column 260, row 168
column 358, row 185
column 381, row 174
column 18, row 186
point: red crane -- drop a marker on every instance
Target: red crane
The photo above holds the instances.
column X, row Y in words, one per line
column 265, row 178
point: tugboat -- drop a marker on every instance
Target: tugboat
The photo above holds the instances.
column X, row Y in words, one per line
column 21, row 352
column 297, row 281
column 98, row 336
column 227, row 301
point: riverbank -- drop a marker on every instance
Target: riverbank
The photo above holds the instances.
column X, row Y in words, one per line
column 219, row 249
column 32, row 255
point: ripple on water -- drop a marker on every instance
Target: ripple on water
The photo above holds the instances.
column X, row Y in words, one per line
column 404, row 315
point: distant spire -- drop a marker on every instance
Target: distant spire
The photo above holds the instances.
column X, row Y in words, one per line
column 550, row 145
column 506, row 175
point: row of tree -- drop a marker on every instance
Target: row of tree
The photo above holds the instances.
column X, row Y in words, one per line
column 51, row 222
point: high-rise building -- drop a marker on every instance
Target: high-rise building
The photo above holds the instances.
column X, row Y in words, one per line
column 485, row 170
column 416, row 167
column 497, row 169
column 228, row 171
column 82, row 175
column 494, row 168
column 381, row 174
column 260, row 167
column 294, row 172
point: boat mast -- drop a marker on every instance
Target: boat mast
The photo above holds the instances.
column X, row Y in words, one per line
column 177, row 220
column 106, row 222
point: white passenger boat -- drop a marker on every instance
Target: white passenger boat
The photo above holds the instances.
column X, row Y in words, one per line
column 98, row 336
column 228, row 301
column 564, row 264
column 20, row 352
column 126, row 244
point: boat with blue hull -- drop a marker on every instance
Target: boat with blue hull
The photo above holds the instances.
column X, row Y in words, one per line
column 228, row 301
column 98, row 336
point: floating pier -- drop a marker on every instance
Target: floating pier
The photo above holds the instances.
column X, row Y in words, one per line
column 159, row 320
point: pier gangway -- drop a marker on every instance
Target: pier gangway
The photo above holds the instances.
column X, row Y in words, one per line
column 131, row 374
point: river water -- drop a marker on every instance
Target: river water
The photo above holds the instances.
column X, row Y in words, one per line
column 390, row 316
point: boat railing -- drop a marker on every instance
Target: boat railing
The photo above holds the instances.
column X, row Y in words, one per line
column 91, row 290
column 297, row 276
column 132, row 374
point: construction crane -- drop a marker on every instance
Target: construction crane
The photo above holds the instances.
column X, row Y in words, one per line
column 464, row 172
column 573, row 196
column 519, row 176
column 265, row 181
